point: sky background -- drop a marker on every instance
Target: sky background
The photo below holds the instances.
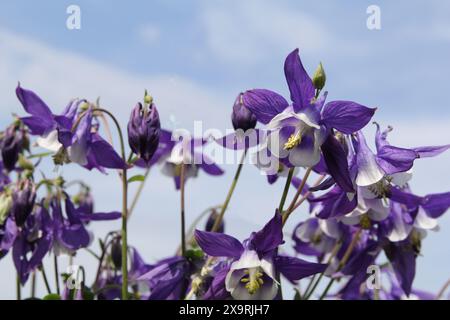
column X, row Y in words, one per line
column 195, row 57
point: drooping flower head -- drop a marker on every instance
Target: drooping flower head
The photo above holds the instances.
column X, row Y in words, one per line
column 144, row 129
column 23, row 197
column 12, row 143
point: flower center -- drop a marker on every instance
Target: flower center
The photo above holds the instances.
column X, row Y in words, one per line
column 293, row 141
column 382, row 187
column 253, row 280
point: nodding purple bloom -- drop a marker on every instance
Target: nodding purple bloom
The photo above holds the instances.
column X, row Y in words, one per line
column 70, row 233
column 168, row 279
column 143, row 131
column 23, row 197
column 256, row 262
column 11, row 145
column 82, row 145
column 241, row 117
column 300, row 132
column 4, row 178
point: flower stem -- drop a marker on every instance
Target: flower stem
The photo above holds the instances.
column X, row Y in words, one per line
column 44, row 277
column 442, row 291
column 18, row 288
column 183, row 222
column 286, row 189
column 138, row 193
column 33, row 285
column 219, row 219
column 124, row 207
column 297, row 195
column 335, row 250
column 55, row 264
column 343, row 261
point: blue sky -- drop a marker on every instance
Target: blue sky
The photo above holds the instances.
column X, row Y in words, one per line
column 196, row 56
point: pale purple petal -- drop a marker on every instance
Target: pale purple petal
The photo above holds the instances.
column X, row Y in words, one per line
column 264, row 104
column 218, row 244
column 346, row 116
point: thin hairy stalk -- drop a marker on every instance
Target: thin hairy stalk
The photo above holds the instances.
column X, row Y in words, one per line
column 56, row 269
column 138, row 193
column 297, row 195
column 343, row 261
column 307, row 194
column 44, row 277
column 182, row 210
column 18, row 288
column 286, row 189
column 334, row 252
column 33, row 285
column 219, row 219
column 442, row 291
column 124, row 207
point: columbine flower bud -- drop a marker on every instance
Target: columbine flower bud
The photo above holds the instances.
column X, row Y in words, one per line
column 319, row 77
column 242, row 118
column 143, row 130
column 23, row 201
column 11, row 145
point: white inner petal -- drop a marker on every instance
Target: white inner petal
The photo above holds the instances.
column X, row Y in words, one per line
column 49, row 141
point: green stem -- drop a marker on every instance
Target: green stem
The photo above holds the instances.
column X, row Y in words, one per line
column 219, row 219
column 18, row 288
column 44, row 277
column 33, row 285
column 138, row 193
column 297, row 195
column 286, row 190
column 55, row 264
column 343, row 261
column 124, row 208
column 183, row 222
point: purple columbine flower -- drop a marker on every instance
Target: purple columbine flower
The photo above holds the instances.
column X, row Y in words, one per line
column 12, row 144
column 23, row 198
column 241, row 117
column 82, row 145
column 299, row 132
column 168, row 279
column 256, row 262
column 144, row 130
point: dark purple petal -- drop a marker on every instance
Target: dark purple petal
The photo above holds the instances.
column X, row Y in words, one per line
column 300, row 84
column 241, row 140
column 403, row 260
column 264, row 104
column 336, row 161
column 218, row 244
column 269, row 237
column 210, row 167
column 217, row 290
column 74, row 237
column 426, row 152
column 436, row 205
column 296, row 269
column 105, row 155
column 33, row 104
column 37, row 126
column 393, row 159
column 346, row 116
column 406, row 198
column 324, row 185
column 99, row 216
column 335, row 203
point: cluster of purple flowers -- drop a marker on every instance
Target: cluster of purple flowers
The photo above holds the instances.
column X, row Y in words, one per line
column 363, row 214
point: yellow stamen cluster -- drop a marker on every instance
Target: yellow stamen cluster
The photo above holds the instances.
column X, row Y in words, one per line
column 253, row 281
column 381, row 188
column 293, row 141
column 365, row 222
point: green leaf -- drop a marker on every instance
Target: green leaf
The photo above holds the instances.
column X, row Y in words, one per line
column 52, row 296
column 138, row 177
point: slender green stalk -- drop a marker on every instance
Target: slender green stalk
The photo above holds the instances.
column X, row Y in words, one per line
column 334, row 252
column 183, row 220
column 138, row 193
column 18, row 288
column 219, row 219
column 297, row 195
column 443, row 289
column 44, row 277
column 286, row 190
column 343, row 261
column 124, row 208
column 55, row 264
column 33, row 285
